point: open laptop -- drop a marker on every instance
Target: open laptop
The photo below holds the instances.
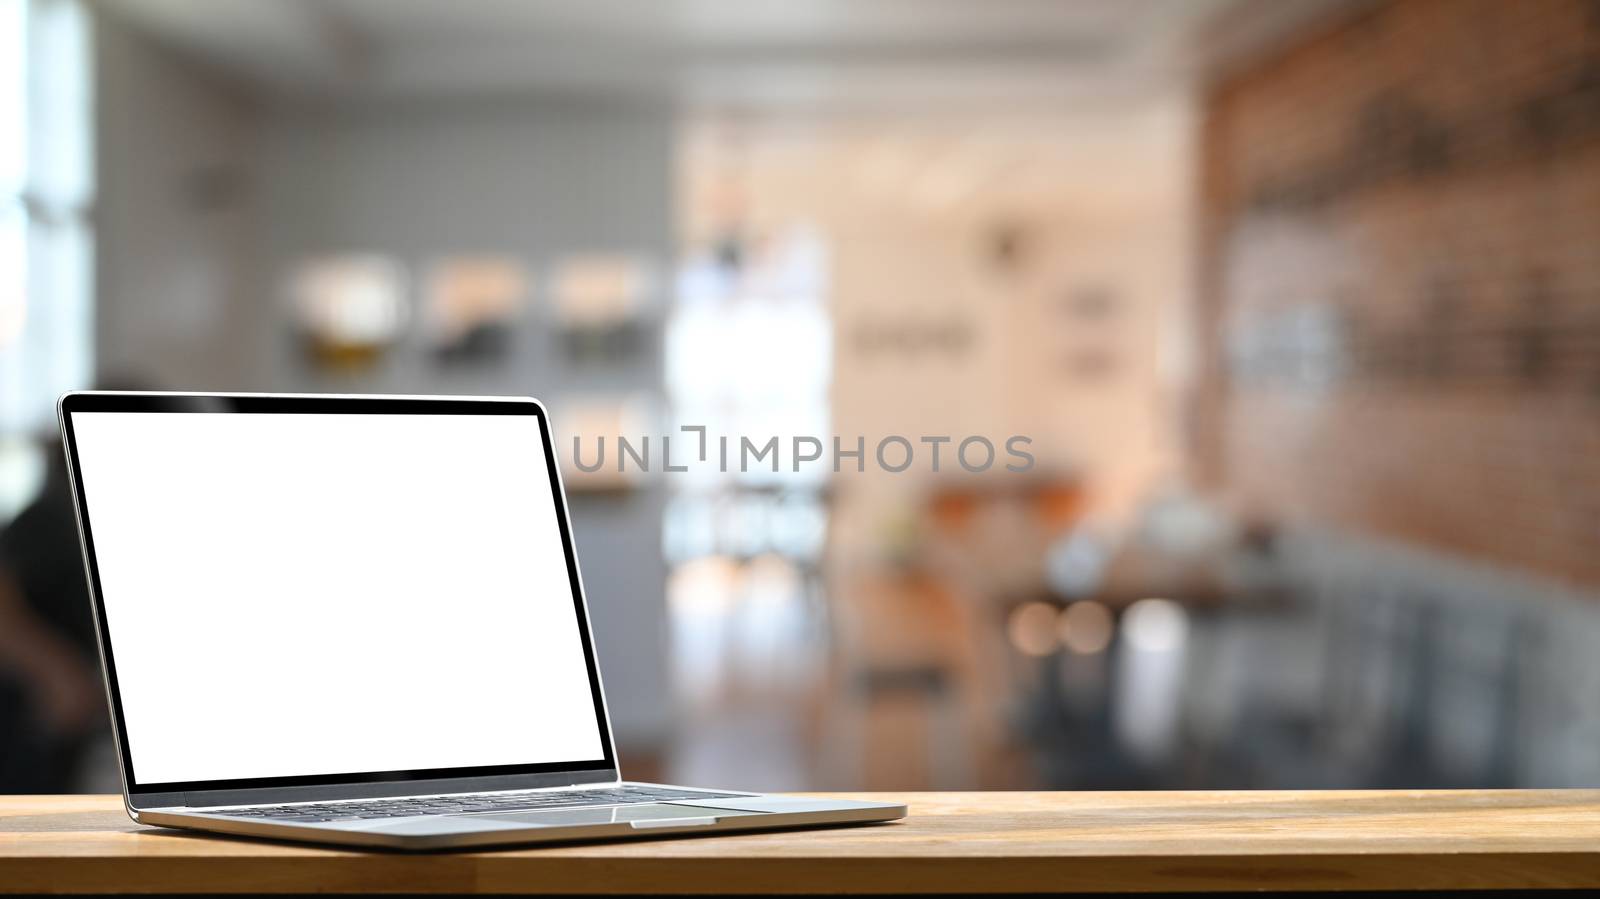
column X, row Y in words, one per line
column 359, row 620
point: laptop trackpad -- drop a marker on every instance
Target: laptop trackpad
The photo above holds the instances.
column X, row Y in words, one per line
column 652, row 814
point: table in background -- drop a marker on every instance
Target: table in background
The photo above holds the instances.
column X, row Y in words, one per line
column 952, row 843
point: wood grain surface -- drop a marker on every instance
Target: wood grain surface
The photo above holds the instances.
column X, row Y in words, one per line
column 951, row 843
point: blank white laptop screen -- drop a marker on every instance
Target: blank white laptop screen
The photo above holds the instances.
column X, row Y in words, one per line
column 320, row 594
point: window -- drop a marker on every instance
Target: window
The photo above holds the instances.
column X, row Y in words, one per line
column 749, row 354
column 46, row 241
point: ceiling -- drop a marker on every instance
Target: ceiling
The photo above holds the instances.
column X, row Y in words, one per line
column 836, row 55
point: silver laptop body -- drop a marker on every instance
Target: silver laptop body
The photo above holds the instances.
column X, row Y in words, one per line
column 359, row 620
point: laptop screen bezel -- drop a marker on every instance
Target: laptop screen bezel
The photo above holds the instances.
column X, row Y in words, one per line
column 343, row 784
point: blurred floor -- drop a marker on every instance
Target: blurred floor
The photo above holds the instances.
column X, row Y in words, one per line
column 745, row 650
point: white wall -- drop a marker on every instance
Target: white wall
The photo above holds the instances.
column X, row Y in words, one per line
column 175, row 218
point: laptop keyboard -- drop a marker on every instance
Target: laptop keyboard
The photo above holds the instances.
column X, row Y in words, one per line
column 464, row 803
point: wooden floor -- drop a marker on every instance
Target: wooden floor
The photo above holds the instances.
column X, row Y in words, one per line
column 952, row 843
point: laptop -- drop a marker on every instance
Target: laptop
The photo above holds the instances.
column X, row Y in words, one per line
column 359, row 620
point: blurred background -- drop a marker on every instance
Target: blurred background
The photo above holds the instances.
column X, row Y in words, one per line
column 1298, row 302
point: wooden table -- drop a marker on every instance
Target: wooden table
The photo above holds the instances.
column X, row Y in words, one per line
column 953, row 842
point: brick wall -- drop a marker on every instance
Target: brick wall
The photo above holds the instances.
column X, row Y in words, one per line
column 1400, row 278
